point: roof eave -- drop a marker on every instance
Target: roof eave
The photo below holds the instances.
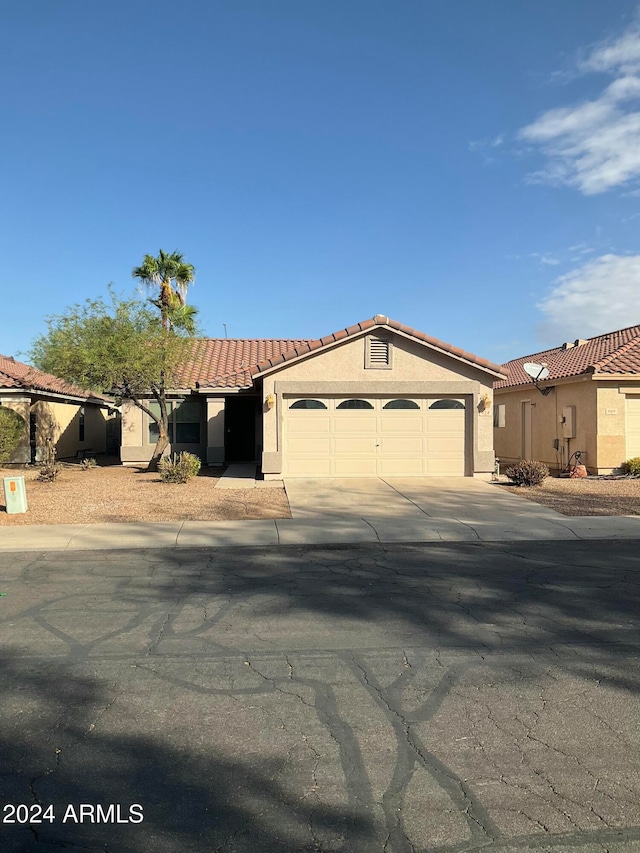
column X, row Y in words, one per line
column 360, row 333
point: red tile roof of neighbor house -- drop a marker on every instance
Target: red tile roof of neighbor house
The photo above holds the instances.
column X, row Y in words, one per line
column 15, row 374
column 615, row 352
column 231, row 363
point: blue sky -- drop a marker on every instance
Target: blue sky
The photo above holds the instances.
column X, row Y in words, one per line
column 470, row 169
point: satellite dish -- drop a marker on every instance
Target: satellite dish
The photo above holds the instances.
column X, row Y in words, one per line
column 536, row 371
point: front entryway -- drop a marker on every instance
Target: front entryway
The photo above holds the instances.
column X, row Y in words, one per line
column 240, row 429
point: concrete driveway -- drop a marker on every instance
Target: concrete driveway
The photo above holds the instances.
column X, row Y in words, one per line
column 461, row 498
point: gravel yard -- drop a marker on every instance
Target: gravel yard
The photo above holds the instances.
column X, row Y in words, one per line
column 116, row 493
column 586, row 496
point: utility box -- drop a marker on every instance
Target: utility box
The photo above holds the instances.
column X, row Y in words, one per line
column 569, row 422
column 15, row 494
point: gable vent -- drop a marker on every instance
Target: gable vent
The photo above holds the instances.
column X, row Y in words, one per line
column 378, row 352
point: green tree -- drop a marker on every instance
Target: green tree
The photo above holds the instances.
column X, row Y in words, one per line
column 169, row 275
column 12, row 431
column 122, row 348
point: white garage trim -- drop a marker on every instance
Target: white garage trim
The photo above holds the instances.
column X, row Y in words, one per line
column 369, row 436
column 632, row 417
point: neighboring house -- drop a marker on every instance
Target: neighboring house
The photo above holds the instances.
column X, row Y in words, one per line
column 75, row 421
column 376, row 399
column 591, row 404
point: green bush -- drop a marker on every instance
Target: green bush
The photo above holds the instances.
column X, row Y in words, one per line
column 527, row 473
column 632, row 466
column 12, row 427
column 88, row 463
column 178, row 468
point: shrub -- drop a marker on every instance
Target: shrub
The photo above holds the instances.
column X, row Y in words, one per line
column 632, row 466
column 88, row 463
column 527, row 473
column 50, row 469
column 12, row 427
column 178, row 468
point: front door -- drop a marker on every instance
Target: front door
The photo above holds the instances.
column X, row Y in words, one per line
column 240, row 429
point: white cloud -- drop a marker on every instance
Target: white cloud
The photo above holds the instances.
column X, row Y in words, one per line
column 547, row 260
column 621, row 54
column 594, row 146
column 600, row 296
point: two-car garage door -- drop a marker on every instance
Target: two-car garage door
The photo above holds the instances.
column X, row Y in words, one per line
column 367, row 436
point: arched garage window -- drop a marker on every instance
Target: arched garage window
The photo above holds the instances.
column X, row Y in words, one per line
column 354, row 404
column 307, row 404
column 447, row 404
column 401, row 404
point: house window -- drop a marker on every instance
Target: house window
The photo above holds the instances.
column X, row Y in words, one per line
column 81, row 424
column 307, row 404
column 378, row 353
column 184, row 421
column 500, row 415
column 354, row 404
column 447, row 404
column 401, row 404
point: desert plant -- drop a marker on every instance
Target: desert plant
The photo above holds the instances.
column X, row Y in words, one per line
column 178, row 468
column 50, row 469
column 86, row 464
column 12, row 429
column 632, row 466
column 528, row 472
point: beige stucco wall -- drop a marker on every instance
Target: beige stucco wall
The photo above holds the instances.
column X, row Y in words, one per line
column 415, row 370
column 611, row 415
column 215, row 430
column 58, row 423
column 546, row 425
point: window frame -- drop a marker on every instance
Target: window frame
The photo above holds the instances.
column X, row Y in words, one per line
column 174, row 423
column 390, row 407
column 302, row 408
column 460, row 407
column 344, row 408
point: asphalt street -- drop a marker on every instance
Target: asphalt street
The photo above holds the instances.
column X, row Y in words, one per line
column 445, row 697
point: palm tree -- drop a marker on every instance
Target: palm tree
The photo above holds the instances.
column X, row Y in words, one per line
column 170, row 275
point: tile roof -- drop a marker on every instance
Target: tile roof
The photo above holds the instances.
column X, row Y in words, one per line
column 231, row 363
column 615, row 352
column 228, row 362
column 15, row 374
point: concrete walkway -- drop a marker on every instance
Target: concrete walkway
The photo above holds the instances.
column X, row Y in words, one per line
column 316, row 531
column 241, row 476
column 345, row 512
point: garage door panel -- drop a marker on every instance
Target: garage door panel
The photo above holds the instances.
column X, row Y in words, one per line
column 311, row 445
column 309, row 466
column 359, row 446
column 352, row 424
column 374, row 442
column 402, row 467
column 300, row 425
column 350, row 467
column 445, row 468
column 402, row 425
column 401, row 445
